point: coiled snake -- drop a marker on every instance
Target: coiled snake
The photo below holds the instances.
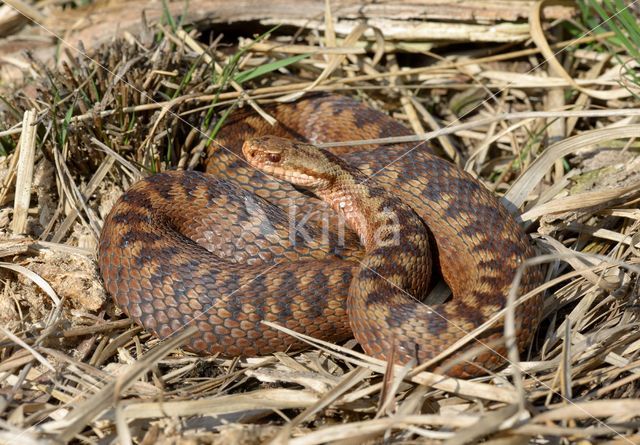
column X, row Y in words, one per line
column 228, row 249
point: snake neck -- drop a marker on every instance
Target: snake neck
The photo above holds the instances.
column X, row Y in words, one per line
column 395, row 239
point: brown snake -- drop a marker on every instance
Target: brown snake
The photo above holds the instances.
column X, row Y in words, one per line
column 217, row 250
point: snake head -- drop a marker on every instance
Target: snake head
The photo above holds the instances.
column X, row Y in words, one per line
column 302, row 165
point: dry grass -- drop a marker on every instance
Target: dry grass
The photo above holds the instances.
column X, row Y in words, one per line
column 71, row 369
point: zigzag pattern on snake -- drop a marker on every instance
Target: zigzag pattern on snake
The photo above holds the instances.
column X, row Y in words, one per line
column 216, row 250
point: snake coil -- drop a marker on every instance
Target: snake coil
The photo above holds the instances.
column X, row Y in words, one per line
column 217, row 251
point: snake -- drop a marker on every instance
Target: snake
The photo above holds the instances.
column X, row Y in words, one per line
column 334, row 244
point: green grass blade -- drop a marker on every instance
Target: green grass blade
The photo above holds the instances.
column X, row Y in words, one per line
column 184, row 14
column 166, row 15
column 268, row 68
column 65, row 125
column 613, row 25
column 630, row 24
column 187, row 77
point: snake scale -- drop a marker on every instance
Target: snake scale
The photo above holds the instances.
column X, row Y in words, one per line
column 227, row 249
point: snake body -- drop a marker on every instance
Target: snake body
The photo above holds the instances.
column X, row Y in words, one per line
column 216, row 250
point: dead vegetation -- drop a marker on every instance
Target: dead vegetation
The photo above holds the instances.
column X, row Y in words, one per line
column 557, row 140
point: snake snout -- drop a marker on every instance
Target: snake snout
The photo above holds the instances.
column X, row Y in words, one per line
column 249, row 150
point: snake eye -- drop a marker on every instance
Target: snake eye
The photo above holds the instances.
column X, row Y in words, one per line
column 274, row 157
